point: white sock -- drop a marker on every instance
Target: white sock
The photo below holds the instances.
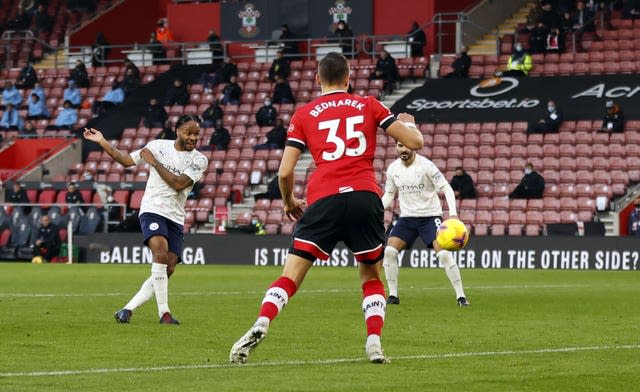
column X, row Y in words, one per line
column 390, row 264
column 373, row 339
column 160, row 287
column 143, row 295
column 452, row 271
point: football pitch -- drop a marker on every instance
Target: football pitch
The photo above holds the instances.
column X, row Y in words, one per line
column 525, row 331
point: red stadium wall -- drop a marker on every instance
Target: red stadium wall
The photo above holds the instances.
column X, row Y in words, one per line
column 127, row 23
column 192, row 22
column 23, row 152
column 624, row 219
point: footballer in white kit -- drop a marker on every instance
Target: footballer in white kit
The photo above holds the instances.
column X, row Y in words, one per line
column 417, row 180
column 175, row 165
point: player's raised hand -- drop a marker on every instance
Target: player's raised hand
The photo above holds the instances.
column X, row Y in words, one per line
column 294, row 210
column 92, row 134
column 406, row 117
column 148, row 157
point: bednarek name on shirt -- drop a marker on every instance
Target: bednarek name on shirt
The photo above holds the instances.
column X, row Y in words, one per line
column 319, row 108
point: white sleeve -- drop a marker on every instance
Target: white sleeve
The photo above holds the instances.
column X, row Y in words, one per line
column 135, row 155
column 450, row 197
column 389, row 190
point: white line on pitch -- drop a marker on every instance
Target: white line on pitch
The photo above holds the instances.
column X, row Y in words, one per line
column 317, row 362
column 319, row 291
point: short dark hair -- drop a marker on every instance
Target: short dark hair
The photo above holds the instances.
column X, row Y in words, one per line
column 333, row 68
column 185, row 118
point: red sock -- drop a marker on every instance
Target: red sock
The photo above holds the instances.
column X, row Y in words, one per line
column 277, row 297
column 373, row 306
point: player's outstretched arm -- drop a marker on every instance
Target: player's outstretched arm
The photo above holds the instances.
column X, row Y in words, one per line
column 292, row 207
column 450, row 197
column 122, row 158
column 177, row 182
column 404, row 130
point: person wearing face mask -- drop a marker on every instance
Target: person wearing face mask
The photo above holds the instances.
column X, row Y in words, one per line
column 520, row 62
column 614, row 118
column 531, row 186
column 551, row 121
column 634, row 220
column 267, row 114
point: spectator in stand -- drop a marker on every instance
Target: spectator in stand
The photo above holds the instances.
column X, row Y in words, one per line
column 289, row 47
column 163, row 33
column 111, row 99
column 531, row 186
column 520, row 62
column 43, row 21
column 72, row 94
column 267, row 114
column 282, row 91
column 27, row 77
column 157, row 50
column 67, row 118
column 11, row 119
column 154, row 116
column 631, row 9
column 37, row 109
column 223, row 75
column 100, row 50
column 566, row 23
column 279, row 67
column 273, row 191
column 130, row 64
column 582, row 22
column 212, row 114
column 634, row 219
column 232, row 92
column 29, row 129
column 276, row 138
column 215, row 46
column 39, row 91
column 613, row 119
column 167, row 133
column 461, row 64
column 417, row 39
column 22, row 21
column 10, row 95
column 17, row 194
column 220, row 138
column 80, row 75
column 177, row 94
column 551, row 121
column 554, row 41
column 538, row 38
column 48, row 239
column 131, row 81
column 73, row 195
column 344, row 36
column 462, row 185
column 386, row 70
column 549, row 16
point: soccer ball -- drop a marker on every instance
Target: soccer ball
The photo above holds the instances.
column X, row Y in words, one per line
column 452, row 235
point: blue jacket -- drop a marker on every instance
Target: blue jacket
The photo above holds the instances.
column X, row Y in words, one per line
column 116, row 96
column 37, row 109
column 12, row 96
column 634, row 223
column 73, row 95
column 11, row 118
column 39, row 91
column 67, row 117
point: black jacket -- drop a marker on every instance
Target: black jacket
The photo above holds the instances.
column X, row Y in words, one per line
column 212, row 114
column 282, row 93
column 17, row 197
column 177, row 95
column 266, row 116
column 227, row 71
column 49, row 236
column 531, row 187
column 80, row 76
column 220, row 138
column 277, row 136
column 73, row 197
column 462, row 64
column 232, row 92
column 464, row 185
column 279, row 67
column 613, row 121
column 155, row 114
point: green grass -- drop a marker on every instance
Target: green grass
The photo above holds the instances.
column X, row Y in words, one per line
column 526, row 330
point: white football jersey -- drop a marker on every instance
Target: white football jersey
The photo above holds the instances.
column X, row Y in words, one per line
column 159, row 198
column 417, row 185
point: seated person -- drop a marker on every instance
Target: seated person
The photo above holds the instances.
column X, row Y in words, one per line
column 276, row 138
column 131, row 80
column 461, row 64
column 11, row 119
column 111, row 99
column 80, row 75
column 282, row 91
column 154, row 115
column 531, row 186
column 212, row 114
column 37, row 89
column 613, row 118
column 17, row 194
column 386, row 70
column 551, row 121
column 27, row 77
column 279, row 67
column 177, row 94
column 48, row 239
column 232, row 92
column 37, row 109
column 220, row 138
column 10, row 95
column 520, row 62
column 156, row 48
column 167, row 133
column 222, row 75
column 29, row 129
column 72, row 94
column 73, row 195
column 67, row 117
column 462, row 185
column 267, row 114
